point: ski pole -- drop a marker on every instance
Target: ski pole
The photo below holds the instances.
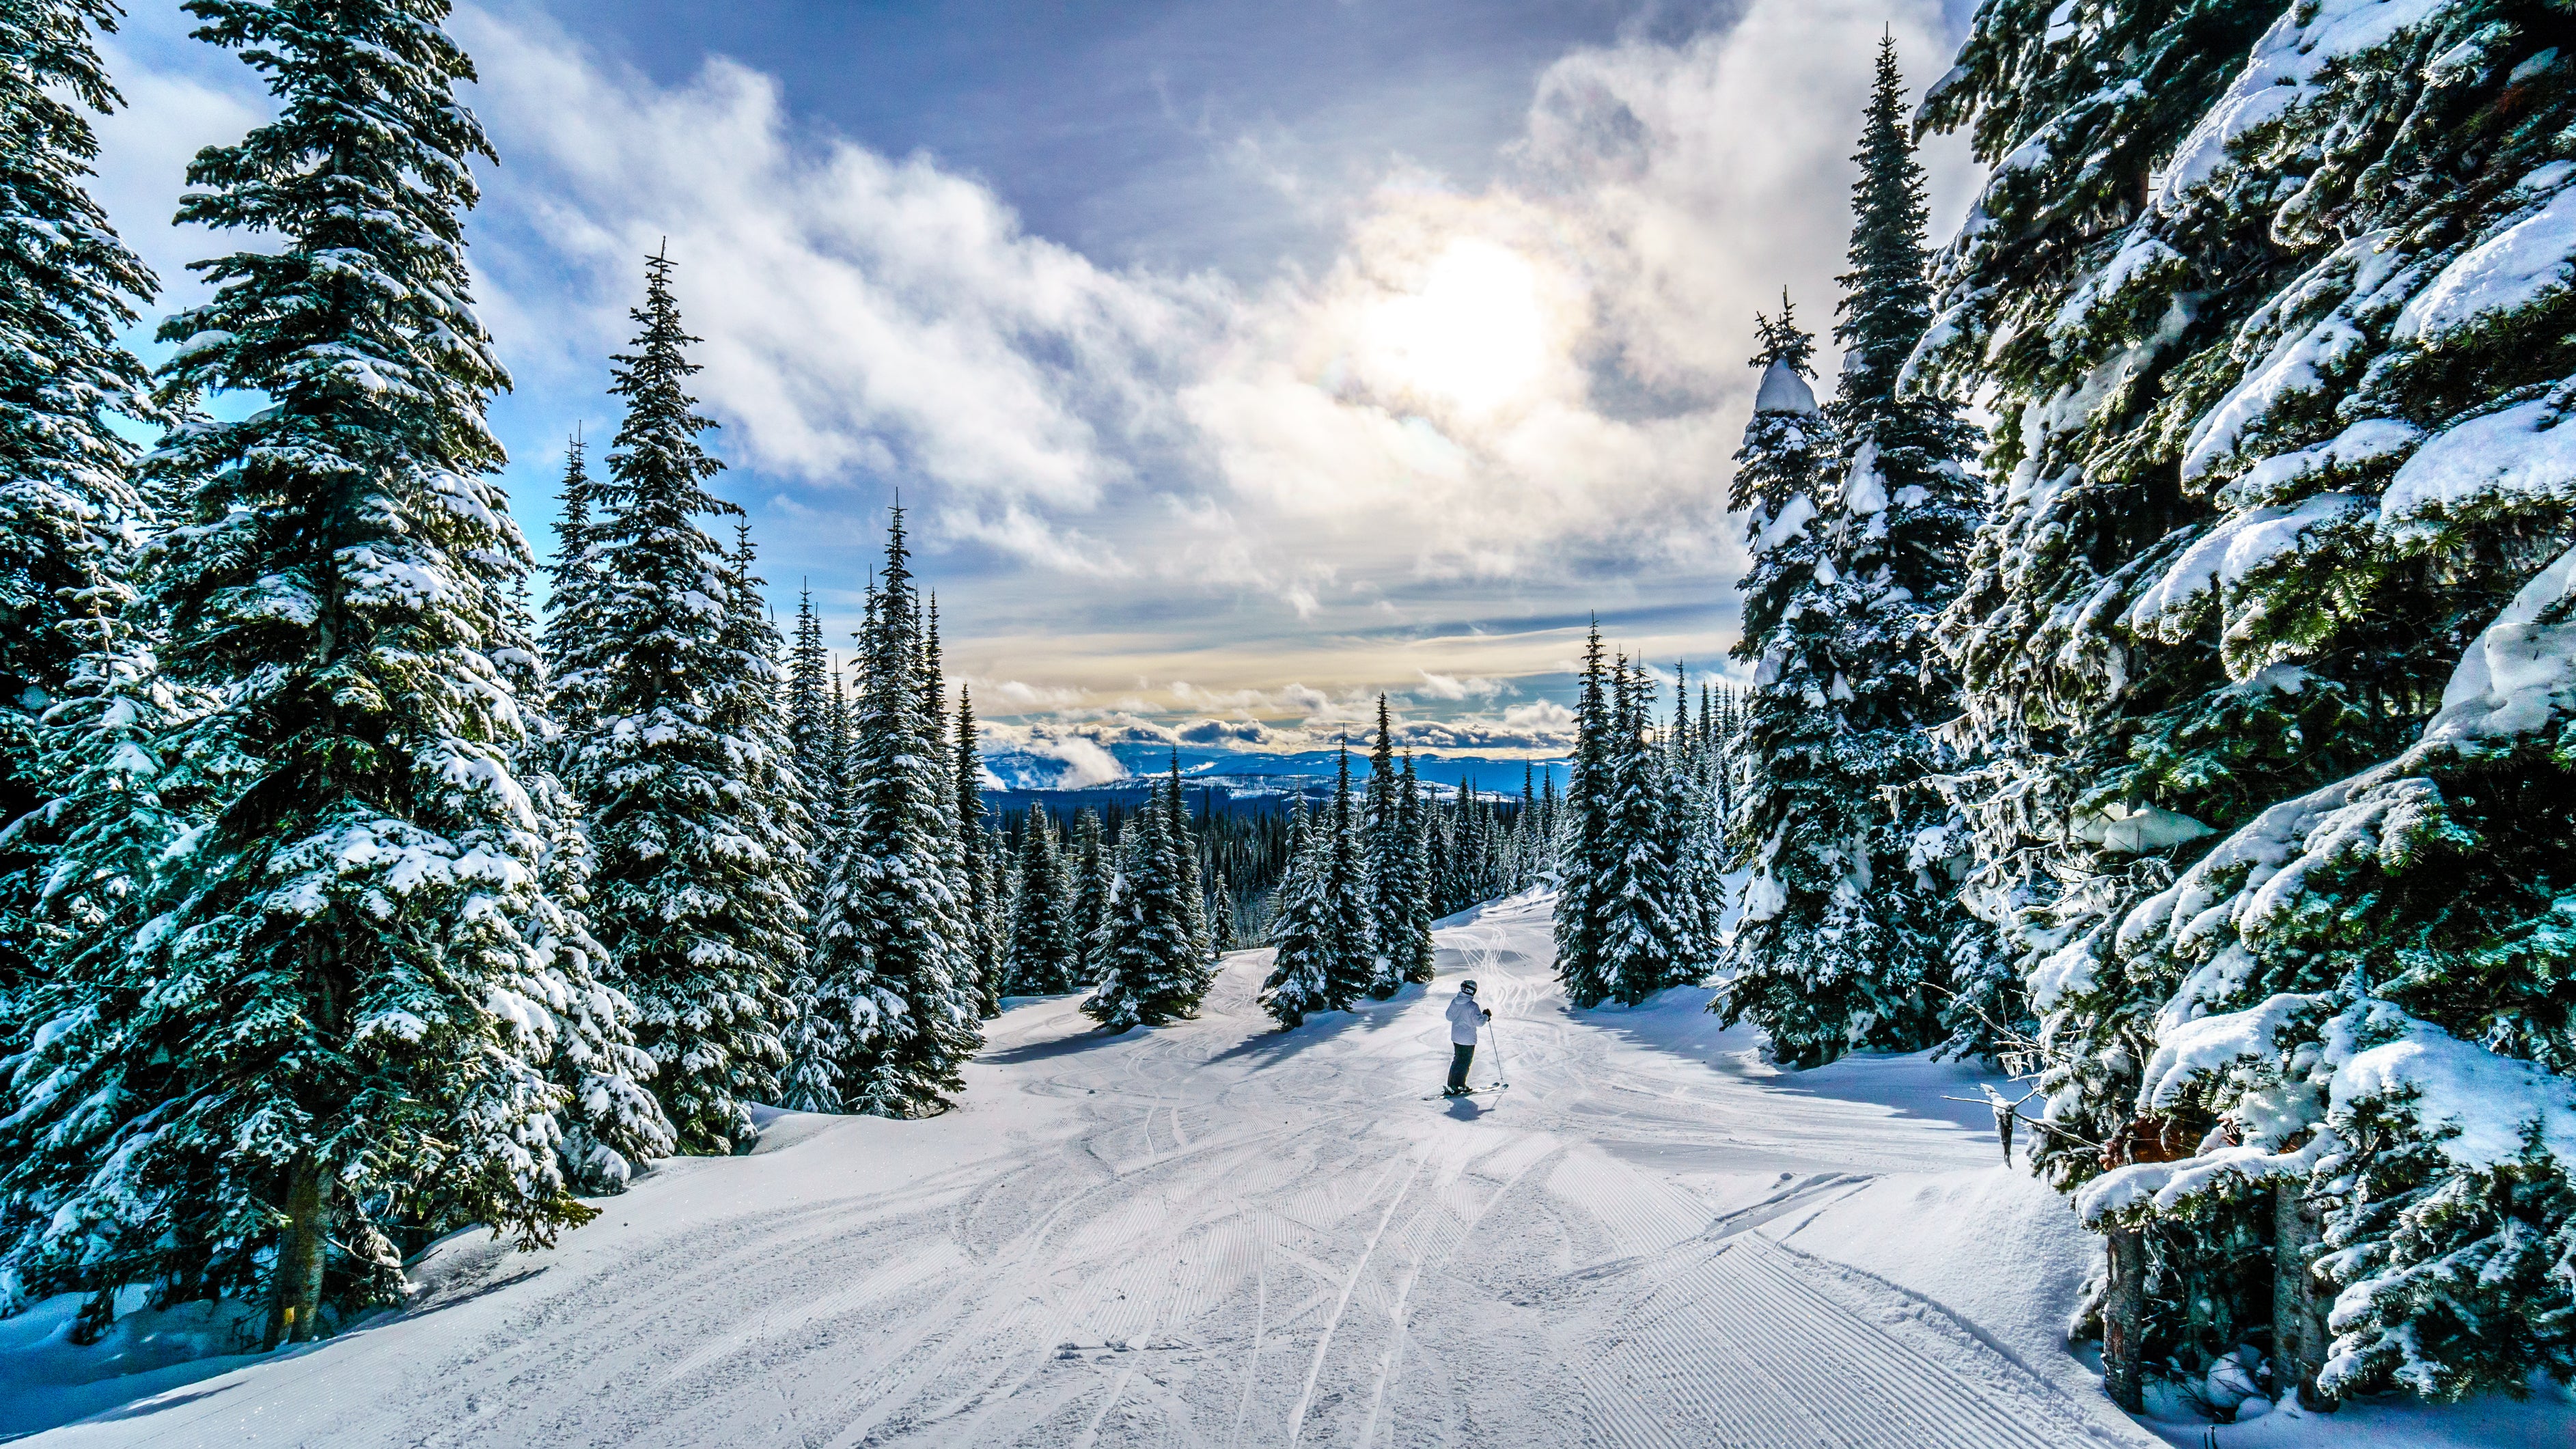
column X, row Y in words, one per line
column 1493, row 1031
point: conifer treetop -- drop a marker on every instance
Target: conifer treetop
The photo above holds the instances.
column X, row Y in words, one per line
column 1887, row 294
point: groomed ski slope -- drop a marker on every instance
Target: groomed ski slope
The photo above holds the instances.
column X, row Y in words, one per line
column 1214, row 1234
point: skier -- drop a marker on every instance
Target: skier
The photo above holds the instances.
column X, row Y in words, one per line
column 1464, row 1017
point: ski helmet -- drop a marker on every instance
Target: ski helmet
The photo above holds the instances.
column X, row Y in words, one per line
column 1467, row 986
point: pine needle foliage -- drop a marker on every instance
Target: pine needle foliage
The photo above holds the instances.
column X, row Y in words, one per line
column 335, row 1025
column 680, row 766
column 895, row 998
column 69, row 505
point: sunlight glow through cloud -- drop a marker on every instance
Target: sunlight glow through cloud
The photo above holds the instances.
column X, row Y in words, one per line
column 1476, row 333
column 1415, row 466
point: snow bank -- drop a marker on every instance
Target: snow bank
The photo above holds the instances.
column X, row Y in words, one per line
column 1995, row 1247
column 46, row 1379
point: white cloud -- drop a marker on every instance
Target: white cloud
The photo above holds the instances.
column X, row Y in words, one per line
column 1450, row 686
column 1067, row 757
column 1514, row 402
column 859, row 314
column 1540, row 715
column 1711, row 173
column 1545, row 381
column 1022, row 696
column 1227, row 733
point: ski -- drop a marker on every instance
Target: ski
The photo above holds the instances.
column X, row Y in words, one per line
column 1470, row 1092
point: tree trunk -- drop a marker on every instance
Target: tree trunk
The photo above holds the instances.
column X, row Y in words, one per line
column 97, row 1316
column 2299, row 1335
column 295, row 1284
column 2124, row 1308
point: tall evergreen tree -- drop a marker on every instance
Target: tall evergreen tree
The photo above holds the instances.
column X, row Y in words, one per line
column 1695, row 826
column 613, row 1127
column 120, row 801
column 1410, row 885
column 1845, row 932
column 894, row 982
column 1093, row 886
column 1046, row 951
column 1582, row 910
column 2279, row 497
column 835, row 791
column 1299, row 983
column 1185, row 850
column 1221, row 929
column 68, row 289
column 767, row 794
column 1640, row 949
column 1350, row 961
column 811, row 703
column 680, row 765
column 573, row 597
column 1152, row 969
column 337, row 1024
column 1388, row 908
column 983, row 905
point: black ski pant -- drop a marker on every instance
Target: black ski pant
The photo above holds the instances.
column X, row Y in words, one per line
column 1460, row 1054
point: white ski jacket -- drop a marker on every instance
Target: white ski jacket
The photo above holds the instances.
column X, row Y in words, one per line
column 1464, row 1017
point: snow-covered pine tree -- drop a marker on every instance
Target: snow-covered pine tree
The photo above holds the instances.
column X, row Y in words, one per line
column 894, row 984
column 811, row 1081
column 992, row 928
column 1586, row 864
column 976, row 844
column 1543, row 832
column 694, row 898
column 1299, row 983
column 1152, row 970
column 2282, row 418
column 1046, row 951
column 811, row 688
column 118, row 803
column 1695, row 813
column 1095, row 881
column 613, row 1127
column 749, row 698
column 1389, row 911
column 1221, row 935
column 1846, row 934
column 1639, row 939
column 835, row 792
column 1350, row 957
column 1411, row 942
column 1908, row 508
column 68, row 288
column 1792, row 829
column 1185, row 850
column 333, row 1015
column 572, row 597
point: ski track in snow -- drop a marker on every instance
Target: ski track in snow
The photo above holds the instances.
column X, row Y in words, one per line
column 1212, row 1234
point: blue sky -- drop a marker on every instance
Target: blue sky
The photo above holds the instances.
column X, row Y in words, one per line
column 1238, row 361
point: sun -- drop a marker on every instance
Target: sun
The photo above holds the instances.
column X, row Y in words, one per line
column 1474, row 334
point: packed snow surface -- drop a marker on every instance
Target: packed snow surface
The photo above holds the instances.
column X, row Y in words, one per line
column 1218, row 1234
